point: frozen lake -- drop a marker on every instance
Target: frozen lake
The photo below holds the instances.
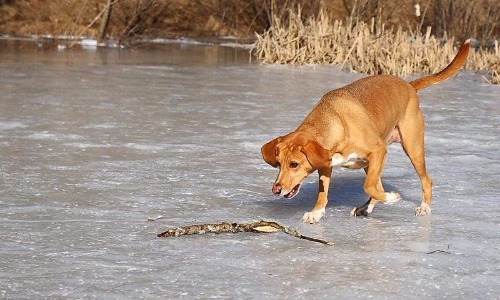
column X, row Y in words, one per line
column 93, row 142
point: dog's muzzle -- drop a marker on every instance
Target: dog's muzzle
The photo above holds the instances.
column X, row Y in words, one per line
column 293, row 192
column 278, row 190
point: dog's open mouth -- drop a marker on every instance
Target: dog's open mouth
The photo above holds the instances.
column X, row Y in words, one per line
column 294, row 192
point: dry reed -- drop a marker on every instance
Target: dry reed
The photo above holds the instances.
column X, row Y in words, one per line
column 362, row 47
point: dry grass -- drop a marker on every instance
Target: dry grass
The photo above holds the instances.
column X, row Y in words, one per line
column 488, row 61
column 361, row 47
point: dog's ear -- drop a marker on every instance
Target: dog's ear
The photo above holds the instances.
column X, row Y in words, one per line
column 270, row 151
column 318, row 157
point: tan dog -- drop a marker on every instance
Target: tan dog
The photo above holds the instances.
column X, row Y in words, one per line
column 351, row 127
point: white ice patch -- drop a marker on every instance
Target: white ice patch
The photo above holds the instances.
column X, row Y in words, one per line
column 146, row 147
column 254, row 146
column 186, row 41
column 87, row 145
column 11, row 125
column 45, row 135
column 159, row 68
column 100, row 126
column 88, row 43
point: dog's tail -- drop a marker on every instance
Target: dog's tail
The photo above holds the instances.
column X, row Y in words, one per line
column 450, row 70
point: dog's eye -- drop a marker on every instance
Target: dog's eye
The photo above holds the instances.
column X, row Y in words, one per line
column 294, row 164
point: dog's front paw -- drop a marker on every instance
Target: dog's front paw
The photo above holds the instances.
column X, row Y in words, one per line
column 313, row 216
column 423, row 209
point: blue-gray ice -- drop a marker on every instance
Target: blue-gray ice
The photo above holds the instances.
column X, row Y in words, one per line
column 93, row 142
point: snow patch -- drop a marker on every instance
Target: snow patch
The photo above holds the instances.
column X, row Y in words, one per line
column 11, row 125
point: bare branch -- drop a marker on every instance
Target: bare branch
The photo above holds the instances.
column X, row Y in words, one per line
column 261, row 226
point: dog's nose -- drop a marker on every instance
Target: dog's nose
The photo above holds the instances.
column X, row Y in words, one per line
column 277, row 188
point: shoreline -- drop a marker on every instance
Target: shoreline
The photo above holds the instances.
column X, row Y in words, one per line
column 226, row 41
column 61, row 43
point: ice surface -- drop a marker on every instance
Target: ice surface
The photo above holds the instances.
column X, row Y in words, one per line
column 94, row 143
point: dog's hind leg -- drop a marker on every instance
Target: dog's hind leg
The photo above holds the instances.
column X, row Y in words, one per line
column 412, row 140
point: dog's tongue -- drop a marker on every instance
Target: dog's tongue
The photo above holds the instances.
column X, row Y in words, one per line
column 294, row 192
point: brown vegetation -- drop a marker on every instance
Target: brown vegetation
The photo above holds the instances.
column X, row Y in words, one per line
column 140, row 18
column 362, row 47
column 241, row 18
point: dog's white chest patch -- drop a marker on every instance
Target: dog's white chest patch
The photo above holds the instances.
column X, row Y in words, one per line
column 353, row 160
column 338, row 160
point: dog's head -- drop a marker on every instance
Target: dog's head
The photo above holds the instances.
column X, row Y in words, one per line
column 296, row 159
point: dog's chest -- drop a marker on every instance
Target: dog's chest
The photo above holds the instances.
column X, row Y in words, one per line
column 351, row 161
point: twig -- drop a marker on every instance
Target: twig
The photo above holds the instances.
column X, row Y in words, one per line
column 441, row 251
column 350, row 51
column 261, row 226
column 78, row 18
